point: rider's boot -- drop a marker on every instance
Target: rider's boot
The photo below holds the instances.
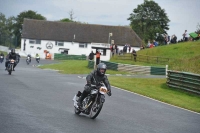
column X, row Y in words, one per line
column 80, row 100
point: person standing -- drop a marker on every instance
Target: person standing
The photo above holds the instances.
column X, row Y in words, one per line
column 98, row 54
column 91, row 56
column 134, row 54
column 185, row 36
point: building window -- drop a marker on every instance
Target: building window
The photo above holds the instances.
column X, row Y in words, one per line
column 32, row 41
column 35, row 41
column 38, row 41
column 58, row 43
column 82, row 45
column 102, row 51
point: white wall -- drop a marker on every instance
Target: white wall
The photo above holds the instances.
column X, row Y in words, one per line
column 5, row 49
column 135, row 48
column 74, row 48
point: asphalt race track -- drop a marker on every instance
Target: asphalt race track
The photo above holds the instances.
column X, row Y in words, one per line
column 33, row 100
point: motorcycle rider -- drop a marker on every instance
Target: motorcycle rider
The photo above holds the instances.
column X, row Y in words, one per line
column 29, row 57
column 2, row 55
column 97, row 75
column 37, row 56
column 11, row 55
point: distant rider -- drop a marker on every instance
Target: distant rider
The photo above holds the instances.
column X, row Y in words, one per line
column 2, row 57
column 29, row 57
column 37, row 56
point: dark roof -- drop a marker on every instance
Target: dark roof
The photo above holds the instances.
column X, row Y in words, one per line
column 65, row 31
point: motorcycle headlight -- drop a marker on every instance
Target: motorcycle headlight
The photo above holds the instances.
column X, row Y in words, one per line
column 103, row 90
column 12, row 61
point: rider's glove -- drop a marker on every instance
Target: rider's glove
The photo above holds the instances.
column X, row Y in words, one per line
column 109, row 93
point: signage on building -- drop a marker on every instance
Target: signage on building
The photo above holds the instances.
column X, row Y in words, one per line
column 49, row 45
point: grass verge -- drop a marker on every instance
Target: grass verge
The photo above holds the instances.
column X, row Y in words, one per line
column 75, row 67
column 157, row 89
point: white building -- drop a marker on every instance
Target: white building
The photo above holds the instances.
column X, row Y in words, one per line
column 74, row 38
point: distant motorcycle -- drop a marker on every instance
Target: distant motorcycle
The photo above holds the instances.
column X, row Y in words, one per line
column 93, row 103
column 28, row 60
column 1, row 59
column 38, row 59
column 10, row 66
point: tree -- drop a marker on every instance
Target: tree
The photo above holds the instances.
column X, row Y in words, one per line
column 149, row 21
column 6, row 30
column 6, row 25
column 71, row 14
column 66, row 20
column 19, row 21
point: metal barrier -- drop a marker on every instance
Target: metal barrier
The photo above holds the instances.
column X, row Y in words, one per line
column 69, row 57
column 145, row 58
column 183, row 80
column 136, row 69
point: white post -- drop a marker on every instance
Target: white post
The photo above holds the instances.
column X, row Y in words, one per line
column 94, row 63
column 166, row 70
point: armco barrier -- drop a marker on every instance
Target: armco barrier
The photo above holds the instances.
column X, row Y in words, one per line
column 69, row 57
column 183, row 80
column 135, row 69
column 111, row 65
column 90, row 64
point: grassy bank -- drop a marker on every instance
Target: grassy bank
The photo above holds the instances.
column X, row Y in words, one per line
column 157, row 89
column 183, row 56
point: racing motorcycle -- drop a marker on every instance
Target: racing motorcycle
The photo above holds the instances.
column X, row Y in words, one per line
column 1, row 59
column 93, row 103
column 28, row 60
column 10, row 66
column 38, row 59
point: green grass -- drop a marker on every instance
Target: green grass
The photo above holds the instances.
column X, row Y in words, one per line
column 157, row 89
column 75, row 67
column 5, row 53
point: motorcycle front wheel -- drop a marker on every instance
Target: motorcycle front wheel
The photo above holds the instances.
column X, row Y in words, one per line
column 95, row 110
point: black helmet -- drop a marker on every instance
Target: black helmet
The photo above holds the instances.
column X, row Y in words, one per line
column 99, row 69
column 12, row 51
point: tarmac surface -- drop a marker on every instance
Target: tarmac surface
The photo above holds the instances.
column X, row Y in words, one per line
column 33, row 100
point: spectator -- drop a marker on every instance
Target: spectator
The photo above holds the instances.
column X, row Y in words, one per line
column 155, row 43
column 91, row 56
column 142, row 47
column 148, row 44
column 174, row 39
column 151, row 45
column 125, row 48
column 134, row 54
column 185, row 36
column 166, row 39
column 97, row 57
column 114, row 49
column 129, row 48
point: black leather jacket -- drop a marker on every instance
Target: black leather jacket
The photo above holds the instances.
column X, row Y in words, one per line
column 93, row 76
column 12, row 56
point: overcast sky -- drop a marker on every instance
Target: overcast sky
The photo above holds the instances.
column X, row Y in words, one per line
column 183, row 14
